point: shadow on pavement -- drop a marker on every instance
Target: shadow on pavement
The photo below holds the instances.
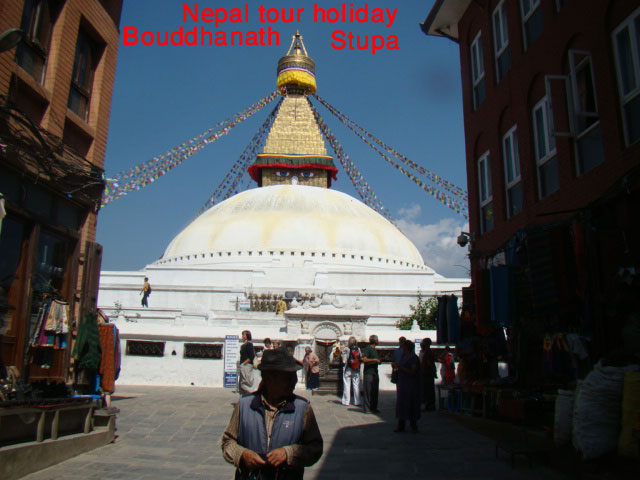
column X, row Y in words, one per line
column 442, row 449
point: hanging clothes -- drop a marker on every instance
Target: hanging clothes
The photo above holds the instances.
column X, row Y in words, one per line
column 513, row 251
column 503, row 295
column 543, row 282
column 482, row 285
column 580, row 257
column 108, row 361
column 86, row 350
column 41, row 318
column 3, row 211
column 118, row 353
column 443, row 330
column 453, row 319
column 52, row 325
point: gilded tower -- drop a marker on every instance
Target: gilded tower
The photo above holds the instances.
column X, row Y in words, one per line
column 294, row 152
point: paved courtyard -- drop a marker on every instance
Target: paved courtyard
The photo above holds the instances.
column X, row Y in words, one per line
column 174, row 432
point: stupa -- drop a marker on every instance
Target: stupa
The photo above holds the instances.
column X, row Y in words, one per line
column 340, row 268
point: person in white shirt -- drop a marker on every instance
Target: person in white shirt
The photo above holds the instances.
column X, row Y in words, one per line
column 351, row 359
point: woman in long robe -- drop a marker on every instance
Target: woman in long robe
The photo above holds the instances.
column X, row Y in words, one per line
column 408, row 389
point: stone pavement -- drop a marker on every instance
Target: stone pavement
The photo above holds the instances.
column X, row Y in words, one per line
column 174, row 432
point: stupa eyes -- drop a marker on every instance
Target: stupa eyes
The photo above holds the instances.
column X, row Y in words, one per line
column 281, row 173
column 308, row 174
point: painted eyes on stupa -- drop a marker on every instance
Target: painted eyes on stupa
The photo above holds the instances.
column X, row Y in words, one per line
column 307, row 174
column 280, row 173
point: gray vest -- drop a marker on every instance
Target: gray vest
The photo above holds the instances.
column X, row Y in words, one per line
column 287, row 429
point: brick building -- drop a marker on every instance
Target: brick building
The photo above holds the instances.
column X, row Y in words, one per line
column 56, row 87
column 551, row 98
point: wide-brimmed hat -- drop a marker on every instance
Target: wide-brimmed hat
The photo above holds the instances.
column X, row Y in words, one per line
column 279, row 360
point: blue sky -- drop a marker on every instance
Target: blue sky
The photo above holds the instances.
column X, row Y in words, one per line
column 164, row 95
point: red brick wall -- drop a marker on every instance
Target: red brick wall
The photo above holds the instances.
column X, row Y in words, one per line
column 55, row 88
column 511, row 101
column 89, row 137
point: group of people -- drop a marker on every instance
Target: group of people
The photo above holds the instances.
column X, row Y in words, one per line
column 249, row 362
column 351, row 358
column 414, row 377
column 273, row 433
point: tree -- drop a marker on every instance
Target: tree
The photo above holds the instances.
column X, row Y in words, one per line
column 424, row 313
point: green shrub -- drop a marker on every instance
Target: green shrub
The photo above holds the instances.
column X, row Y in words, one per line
column 424, row 313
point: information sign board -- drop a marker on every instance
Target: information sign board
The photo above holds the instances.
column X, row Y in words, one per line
column 231, row 357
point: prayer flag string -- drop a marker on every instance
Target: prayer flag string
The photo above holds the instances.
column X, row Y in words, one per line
column 148, row 172
column 229, row 184
column 459, row 206
column 365, row 192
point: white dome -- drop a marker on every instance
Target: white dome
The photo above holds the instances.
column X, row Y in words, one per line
column 293, row 224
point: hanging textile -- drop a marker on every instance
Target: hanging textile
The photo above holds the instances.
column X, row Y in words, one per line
column 443, row 328
column 41, row 318
column 3, row 211
column 543, row 282
column 453, row 319
column 52, row 325
column 118, row 353
column 108, row 361
column 481, row 281
column 86, row 351
column 502, row 295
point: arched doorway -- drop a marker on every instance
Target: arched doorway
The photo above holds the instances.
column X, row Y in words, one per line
column 326, row 335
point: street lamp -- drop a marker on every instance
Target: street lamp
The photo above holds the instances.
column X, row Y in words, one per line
column 10, row 38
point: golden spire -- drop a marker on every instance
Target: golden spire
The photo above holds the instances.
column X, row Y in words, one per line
column 296, row 70
column 294, row 151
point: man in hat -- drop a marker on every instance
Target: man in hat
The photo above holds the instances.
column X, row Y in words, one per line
column 273, row 433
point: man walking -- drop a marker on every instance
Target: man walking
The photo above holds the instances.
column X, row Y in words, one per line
column 351, row 358
column 146, row 291
column 371, row 380
column 272, row 433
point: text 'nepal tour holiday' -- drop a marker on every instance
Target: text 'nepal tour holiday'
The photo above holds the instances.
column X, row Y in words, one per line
column 261, row 37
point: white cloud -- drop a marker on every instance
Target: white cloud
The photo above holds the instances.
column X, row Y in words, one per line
column 437, row 242
column 410, row 213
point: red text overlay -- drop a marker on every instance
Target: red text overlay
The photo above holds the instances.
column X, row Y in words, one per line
column 225, row 21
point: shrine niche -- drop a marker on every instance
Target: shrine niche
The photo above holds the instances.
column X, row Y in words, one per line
column 326, row 318
column 327, row 331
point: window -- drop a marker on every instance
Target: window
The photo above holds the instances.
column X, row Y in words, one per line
column 626, row 49
column 37, row 22
column 203, row 350
column 501, row 40
column 531, row 21
column 545, row 149
column 477, row 72
column 144, row 348
column 588, row 135
column 485, row 194
column 84, row 67
column 512, row 172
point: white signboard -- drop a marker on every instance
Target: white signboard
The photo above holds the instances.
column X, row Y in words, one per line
column 231, row 357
